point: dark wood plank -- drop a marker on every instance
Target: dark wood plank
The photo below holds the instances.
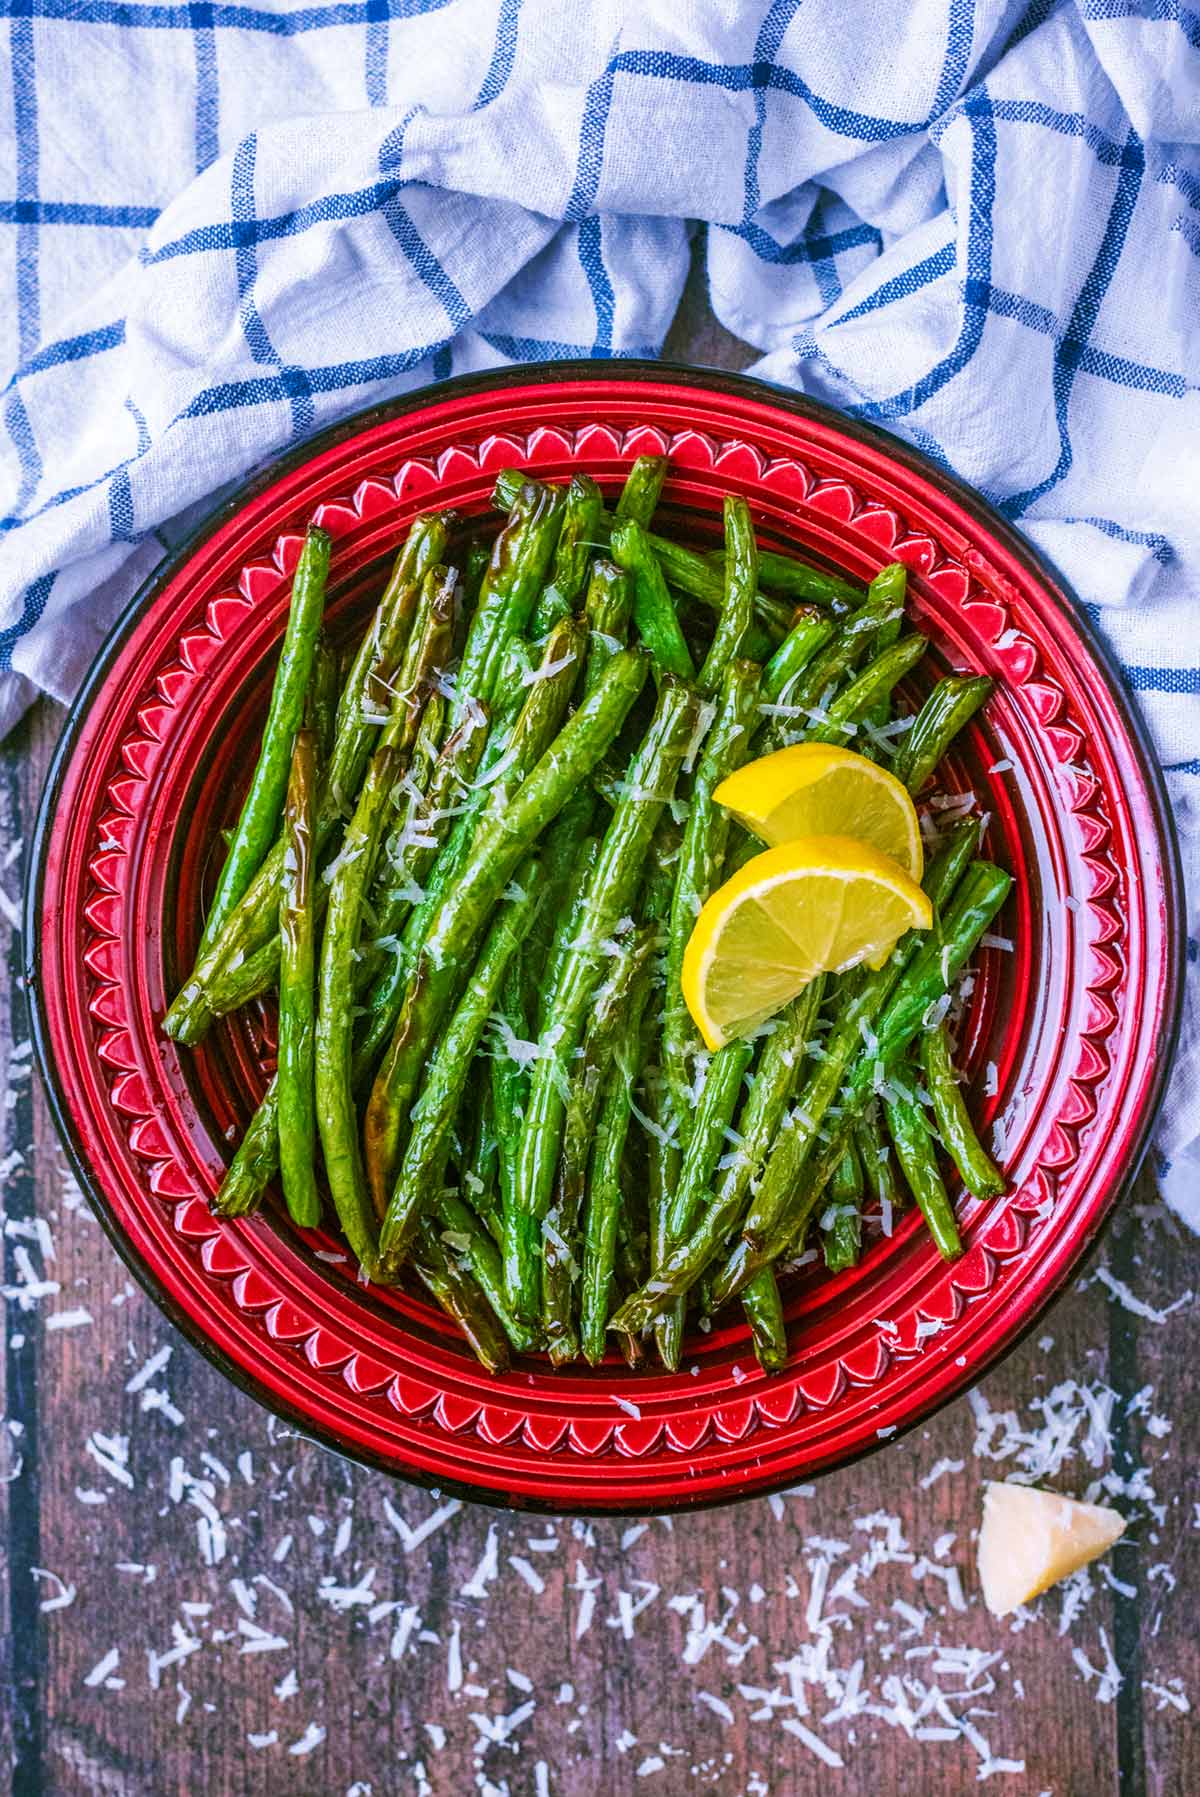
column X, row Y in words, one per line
column 368, row 1624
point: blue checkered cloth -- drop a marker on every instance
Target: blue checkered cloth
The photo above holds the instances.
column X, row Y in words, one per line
column 977, row 224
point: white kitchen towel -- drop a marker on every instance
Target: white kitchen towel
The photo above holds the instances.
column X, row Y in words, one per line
column 976, row 224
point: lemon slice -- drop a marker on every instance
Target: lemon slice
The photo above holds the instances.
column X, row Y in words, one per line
column 818, row 904
column 813, row 789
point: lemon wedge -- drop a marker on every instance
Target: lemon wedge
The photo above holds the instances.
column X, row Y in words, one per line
column 818, row 904
column 814, row 789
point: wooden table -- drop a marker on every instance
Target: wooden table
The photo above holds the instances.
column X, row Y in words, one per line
column 197, row 1600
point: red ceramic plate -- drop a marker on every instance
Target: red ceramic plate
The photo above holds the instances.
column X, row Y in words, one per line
column 1075, row 1025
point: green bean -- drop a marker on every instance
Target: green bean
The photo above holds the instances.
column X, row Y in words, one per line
column 582, row 511
column 762, row 1114
column 951, row 704
column 607, row 608
column 509, row 1077
column 611, row 894
column 978, row 1171
column 509, row 756
column 461, row 1298
column 321, row 702
column 843, row 1240
column 708, row 1136
column 874, row 684
column 297, row 993
column 562, row 854
column 250, row 978
column 664, row 1162
column 741, row 590
column 336, row 1117
column 915, row 1152
column 764, row 1313
column 441, row 1093
column 807, row 637
column 262, row 807
column 889, row 587
column 878, row 1172
column 479, row 1169
column 256, row 1162
column 643, row 485
column 799, row 580
column 653, row 609
column 386, row 995
column 699, row 872
column 390, row 898
column 464, row 908
column 426, row 656
column 584, row 1091
column 547, row 693
column 520, row 560
column 365, row 698
column 604, row 1188
column 572, row 902
column 464, row 1234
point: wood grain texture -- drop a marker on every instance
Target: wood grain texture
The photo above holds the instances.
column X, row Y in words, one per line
column 287, row 1623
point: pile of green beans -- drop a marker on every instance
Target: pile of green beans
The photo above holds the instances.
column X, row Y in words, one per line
column 466, row 871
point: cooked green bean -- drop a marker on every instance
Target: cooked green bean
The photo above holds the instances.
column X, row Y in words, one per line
column 262, row 807
column 804, row 641
column 875, row 683
column 951, row 704
column 978, row 1171
column 709, row 1135
column 879, row 1174
column 464, row 1234
column 741, row 590
column 643, row 485
column 442, row 1089
column 700, row 866
column 664, row 1163
column 842, row 1243
column 336, row 1116
column 256, row 1162
column 653, row 609
column 297, row 992
column 322, row 699
column 801, row 581
column 520, row 560
column 605, row 1185
column 607, row 608
column 584, row 1091
column 460, row 1297
column 582, row 510
column 764, row 1313
column 918, row 1162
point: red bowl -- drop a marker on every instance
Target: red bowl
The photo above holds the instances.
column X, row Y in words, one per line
column 1075, row 1026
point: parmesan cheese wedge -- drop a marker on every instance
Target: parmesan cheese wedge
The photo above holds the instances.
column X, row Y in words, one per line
column 1031, row 1539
